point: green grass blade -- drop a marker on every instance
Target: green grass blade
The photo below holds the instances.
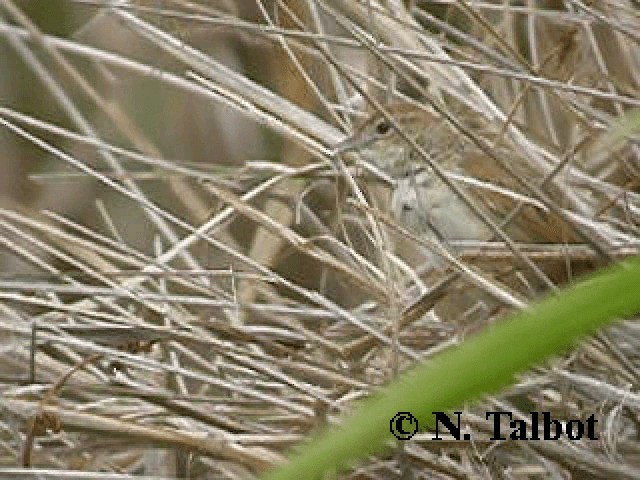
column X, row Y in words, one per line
column 481, row 365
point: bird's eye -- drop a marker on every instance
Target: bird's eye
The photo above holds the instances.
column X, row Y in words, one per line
column 383, row 127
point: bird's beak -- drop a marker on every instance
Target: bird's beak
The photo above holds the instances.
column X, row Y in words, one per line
column 351, row 143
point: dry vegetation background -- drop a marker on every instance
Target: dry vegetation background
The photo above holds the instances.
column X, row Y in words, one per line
column 166, row 180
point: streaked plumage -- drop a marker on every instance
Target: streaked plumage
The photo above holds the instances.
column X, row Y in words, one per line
column 423, row 202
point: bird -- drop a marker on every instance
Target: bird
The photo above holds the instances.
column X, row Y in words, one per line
column 420, row 200
column 428, row 206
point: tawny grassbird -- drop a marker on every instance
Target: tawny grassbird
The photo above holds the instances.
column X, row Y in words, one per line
column 422, row 202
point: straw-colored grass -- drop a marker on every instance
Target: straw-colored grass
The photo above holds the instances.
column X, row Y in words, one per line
column 193, row 286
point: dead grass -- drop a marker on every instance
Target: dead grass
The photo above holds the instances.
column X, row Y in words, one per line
column 168, row 182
